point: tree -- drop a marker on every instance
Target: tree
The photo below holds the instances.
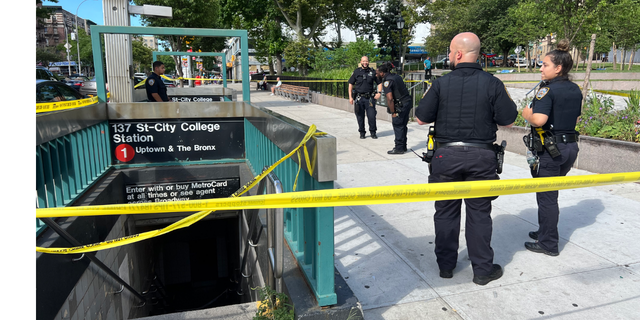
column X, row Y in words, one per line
column 303, row 17
column 263, row 21
column 47, row 55
column 142, row 56
column 621, row 21
column 188, row 14
column 345, row 57
column 488, row 19
column 393, row 41
column 43, row 13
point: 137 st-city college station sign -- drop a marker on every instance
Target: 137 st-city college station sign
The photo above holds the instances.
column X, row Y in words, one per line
column 151, row 141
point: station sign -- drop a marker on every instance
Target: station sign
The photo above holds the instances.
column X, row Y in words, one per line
column 198, row 98
column 181, row 191
column 170, row 140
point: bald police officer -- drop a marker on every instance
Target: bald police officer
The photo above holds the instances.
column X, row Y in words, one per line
column 362, row 89
column 466, row 105
column 398, row 105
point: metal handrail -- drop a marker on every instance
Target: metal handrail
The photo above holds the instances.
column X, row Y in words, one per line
column 275, row 222
column 275, row 236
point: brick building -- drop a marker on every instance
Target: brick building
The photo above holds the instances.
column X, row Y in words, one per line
column 52, row 31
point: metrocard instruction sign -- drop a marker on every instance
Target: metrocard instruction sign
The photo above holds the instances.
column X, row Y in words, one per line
column 152, row 141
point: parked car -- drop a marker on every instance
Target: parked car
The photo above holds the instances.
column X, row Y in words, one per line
column 53, row 91
column 522, row 62
column 90, row 88
column 140, row 75
column 43, row 73
column 443, row 63
column 169, row 83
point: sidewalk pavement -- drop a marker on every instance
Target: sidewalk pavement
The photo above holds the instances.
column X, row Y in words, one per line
column 385, row 252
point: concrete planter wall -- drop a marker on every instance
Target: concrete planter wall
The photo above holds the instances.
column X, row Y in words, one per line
column 596, row 154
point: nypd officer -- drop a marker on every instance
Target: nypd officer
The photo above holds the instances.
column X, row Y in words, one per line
column 362, row 87
column 466, row 105
column 398, row 105
column 156, row 90
column 555, row 109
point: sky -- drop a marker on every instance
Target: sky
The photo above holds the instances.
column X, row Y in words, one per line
column 92, row 10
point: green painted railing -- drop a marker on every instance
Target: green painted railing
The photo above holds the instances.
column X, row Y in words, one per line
column 308, row 231
column 68, row 165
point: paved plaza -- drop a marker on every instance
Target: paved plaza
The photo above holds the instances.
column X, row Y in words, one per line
column 385, row 252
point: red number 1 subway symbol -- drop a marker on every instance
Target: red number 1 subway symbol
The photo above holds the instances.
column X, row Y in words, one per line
column 124, row 152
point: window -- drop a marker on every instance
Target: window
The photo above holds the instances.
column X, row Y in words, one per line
column 47, row 93
column 68, row 93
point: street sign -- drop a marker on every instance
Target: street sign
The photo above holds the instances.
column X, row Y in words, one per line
column 518, row 49
column 67, row 45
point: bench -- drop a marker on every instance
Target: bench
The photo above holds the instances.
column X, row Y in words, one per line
column 294, row 92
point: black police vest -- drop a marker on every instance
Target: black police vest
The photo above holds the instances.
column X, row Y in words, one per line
column 364, row 80
column 465, row 111
column 566, row 107
column 400, row 91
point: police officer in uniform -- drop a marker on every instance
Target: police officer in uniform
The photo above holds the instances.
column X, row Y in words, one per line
column 466, row 105
column 362, row 88
column 156, row 89
column 555, row 109
column 398, row 105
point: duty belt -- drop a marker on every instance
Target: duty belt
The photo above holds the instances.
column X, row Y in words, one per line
column 364, row 95
column 487, row 146
column 567, row 138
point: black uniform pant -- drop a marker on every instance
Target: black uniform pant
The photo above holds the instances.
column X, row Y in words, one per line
column 362, row 107
column 548, row 210
column 399, row 124
column 464, row 164
column 427, row 74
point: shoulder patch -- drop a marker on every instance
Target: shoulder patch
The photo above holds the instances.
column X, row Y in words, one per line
column 542, row 92
column 386, row 84
column 151, row 82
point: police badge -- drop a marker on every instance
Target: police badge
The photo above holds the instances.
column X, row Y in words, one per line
column 542, row 92
column 151, row 82
column 386, row 84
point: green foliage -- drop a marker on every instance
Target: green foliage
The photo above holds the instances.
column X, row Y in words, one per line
column 599, row 120
column 43, row 13
column 46, row 55
column 345, row 57
column 188, row 14
column 169, row 64
column 273, row 305
column 298, row 54
column 142, row 56
column 389, row 37
column 343, row 73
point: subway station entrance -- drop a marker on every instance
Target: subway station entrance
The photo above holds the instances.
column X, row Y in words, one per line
column 154, row 153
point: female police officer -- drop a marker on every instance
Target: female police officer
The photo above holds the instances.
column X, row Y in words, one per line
column 555, row 109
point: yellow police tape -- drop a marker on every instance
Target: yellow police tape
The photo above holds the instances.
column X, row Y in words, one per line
column 356, row 196
column 622, row 94
column 324, row 198
column 63, row 105
column 187, row 221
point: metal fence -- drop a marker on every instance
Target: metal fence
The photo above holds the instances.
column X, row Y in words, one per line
column 308, row 231
column 66, row 165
